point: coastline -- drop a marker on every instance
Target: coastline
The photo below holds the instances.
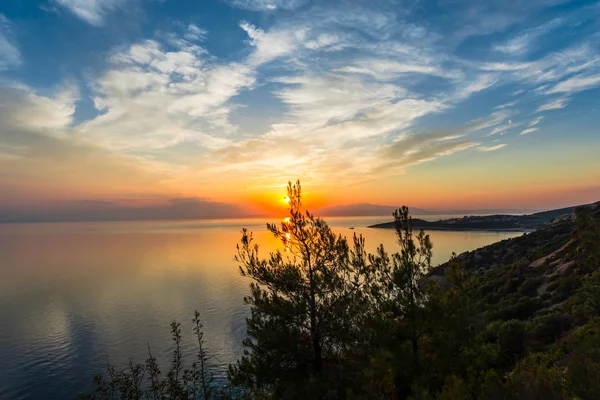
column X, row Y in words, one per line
column 390, row 225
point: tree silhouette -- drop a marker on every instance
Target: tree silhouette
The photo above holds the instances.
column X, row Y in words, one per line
column 306, row 307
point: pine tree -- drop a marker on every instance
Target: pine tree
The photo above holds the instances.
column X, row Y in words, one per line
column 401, row 297
column 306, row 305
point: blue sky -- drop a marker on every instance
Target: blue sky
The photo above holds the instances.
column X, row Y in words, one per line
column 149, row 100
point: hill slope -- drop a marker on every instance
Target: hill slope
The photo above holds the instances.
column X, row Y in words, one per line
column 539, row 298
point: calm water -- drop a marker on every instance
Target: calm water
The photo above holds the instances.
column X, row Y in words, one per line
column 76, row 294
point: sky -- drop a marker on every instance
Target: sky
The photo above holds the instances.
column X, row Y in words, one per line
column 207, row 108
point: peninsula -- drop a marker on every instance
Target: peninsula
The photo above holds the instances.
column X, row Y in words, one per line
column 497, row 222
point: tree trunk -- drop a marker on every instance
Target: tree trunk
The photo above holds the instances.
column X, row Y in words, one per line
column 318, row 362
column 402, row 386
column 315, row 336
column 314, row 329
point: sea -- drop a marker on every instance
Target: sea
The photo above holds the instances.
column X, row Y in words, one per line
column 74, row 296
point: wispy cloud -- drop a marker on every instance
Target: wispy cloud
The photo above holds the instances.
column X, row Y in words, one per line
column 195, row 33
column 386, row 70
column 91, row 11
column 479, row 84
column 551, row 67
column 535, row 121
column 491, row 148
column 576, row 84
column 10, row 56
column 401, row 155
column 267, row 5
column 521, row 43
column 315, row 101
column 272, row 45
column 325, row 41
column 506, row 105
column 504, row 124
column 555, row 104
column 529, row 130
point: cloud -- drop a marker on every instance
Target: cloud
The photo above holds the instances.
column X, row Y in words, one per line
column 383, row 69
column 315, row 101
column 503, row 124
column 491, row 148
column 401, row 155
column 194, row 33
column 529, row 130
column 517, row 45
column 476, row 85
column 45, row 160
column 22, row 107
column 91, row 11
column 154, row 98
column 576, row 84
column 506, row 105
column 556, row 104
column 340, row 150
column 535, row 121
column 521, row 43
column 272, row 45
column 571, row 68
column 267, row 5
column 552, row 67
column 376, row 22
column 325, row 41
column 420, row 147
column 10, row 56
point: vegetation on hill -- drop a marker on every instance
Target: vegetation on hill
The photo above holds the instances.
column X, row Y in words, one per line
column 499, row 222
column 519, row 319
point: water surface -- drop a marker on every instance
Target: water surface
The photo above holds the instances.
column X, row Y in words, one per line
column 73, row 295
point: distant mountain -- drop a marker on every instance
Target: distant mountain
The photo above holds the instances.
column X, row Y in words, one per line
column 374, row 210
column 362, row 210
column 86, row 210
column 496, row 222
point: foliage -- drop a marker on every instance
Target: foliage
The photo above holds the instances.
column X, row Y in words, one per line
column 306, row 308
column 146, row 380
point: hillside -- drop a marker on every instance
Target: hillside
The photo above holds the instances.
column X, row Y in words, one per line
column 544, row 268
column 539, row 298
column 497, row 222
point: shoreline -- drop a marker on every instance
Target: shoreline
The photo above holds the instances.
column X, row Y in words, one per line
column 457, row 229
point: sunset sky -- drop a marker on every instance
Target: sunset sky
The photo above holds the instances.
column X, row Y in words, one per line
column 207, row 108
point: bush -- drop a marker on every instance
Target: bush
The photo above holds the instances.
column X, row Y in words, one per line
column 529, row 287
column 548, row 328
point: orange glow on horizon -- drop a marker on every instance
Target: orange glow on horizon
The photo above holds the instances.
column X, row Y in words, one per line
column 276, row 204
